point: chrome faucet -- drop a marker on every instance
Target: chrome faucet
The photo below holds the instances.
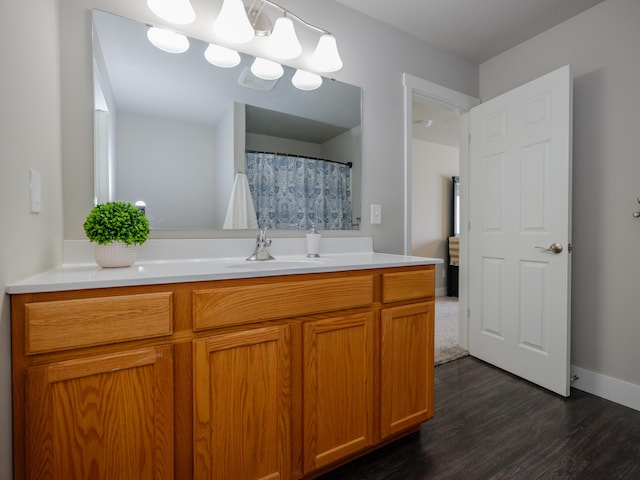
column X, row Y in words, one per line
column 261, row 253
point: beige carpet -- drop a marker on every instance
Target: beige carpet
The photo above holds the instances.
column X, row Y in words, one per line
column 446, row 334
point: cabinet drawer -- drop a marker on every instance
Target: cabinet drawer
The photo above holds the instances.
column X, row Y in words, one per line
column 399, row 286
column 65, row 324
column 235, row 305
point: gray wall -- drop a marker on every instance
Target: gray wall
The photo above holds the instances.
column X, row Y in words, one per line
column 29, row 138
column 602, row 47
column 374, row 55
column 148, row 147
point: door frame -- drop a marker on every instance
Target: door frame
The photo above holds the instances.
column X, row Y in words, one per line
column 414, row 86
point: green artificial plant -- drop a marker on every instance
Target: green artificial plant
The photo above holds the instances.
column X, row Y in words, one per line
column 117, row 222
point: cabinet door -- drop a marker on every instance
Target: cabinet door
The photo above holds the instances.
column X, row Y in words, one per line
column 242, row 404
column 406, row 380
column 103, row 417
column 338, row 388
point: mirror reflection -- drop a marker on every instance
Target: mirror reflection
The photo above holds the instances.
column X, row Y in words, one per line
column 202, row 146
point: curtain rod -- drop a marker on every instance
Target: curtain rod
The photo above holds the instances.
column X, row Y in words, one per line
column 348, row 164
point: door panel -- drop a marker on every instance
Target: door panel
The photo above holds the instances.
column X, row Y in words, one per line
column 520, row 204
column 242, row 405
column 338, row 388
column 406, row 383
column 107, row 416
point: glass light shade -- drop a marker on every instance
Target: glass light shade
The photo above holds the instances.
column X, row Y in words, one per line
column 306, row 80
column 174, row 11
column 266, row 69
column 232, row 23
column 168, row 41
column 283, row 42
column 326, row 58
column 221, row 56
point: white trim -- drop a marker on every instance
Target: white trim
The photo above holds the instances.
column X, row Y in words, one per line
column 609, row 388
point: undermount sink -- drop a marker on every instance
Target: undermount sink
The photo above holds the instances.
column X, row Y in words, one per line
column 278, row 264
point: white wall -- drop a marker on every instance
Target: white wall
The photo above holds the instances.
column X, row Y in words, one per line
column 267, row 143
column 601, row 45
column 148, row 147
column 374, row 55
column 432, row 168
column 29, row 138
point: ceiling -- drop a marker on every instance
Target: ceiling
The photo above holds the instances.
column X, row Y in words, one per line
column 476, row 30
column 473, row 29
column 443, row 128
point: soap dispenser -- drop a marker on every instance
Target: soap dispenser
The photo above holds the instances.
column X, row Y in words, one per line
column 313, row 243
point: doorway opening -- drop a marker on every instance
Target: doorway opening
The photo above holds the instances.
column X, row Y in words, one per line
column 435, row 225
column 436, row 150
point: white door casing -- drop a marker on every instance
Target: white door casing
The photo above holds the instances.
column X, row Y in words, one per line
column 520, row 200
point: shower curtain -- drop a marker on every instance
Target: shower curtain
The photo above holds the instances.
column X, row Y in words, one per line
column 294, row 193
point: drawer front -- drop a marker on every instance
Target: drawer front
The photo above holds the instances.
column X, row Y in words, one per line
column 65, row 324
column 236, row 305
column 399, row 286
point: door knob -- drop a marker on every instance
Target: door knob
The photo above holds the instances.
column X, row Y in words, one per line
column 555, row 247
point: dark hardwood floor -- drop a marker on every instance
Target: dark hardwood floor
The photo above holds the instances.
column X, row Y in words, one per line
column 489, row 424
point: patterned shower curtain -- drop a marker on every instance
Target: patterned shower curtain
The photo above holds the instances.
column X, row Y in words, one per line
column 293, row 193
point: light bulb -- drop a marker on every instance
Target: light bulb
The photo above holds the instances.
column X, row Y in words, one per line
column 326, row 58
column 306, row 80
column 266, row 69
column 283, row 42
column 232, row 23
column 174, row 11
column 168, row 41
column 221, row 56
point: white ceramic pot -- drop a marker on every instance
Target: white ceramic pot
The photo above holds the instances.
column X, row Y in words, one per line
column 115, row 254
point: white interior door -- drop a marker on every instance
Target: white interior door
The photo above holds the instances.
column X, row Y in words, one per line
column 520, row 201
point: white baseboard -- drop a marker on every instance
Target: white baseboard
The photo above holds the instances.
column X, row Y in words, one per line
column 609, row 388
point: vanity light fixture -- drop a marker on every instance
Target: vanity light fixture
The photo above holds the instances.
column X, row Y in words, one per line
column 168, row 41
column 283, row 42
column 232, row 23
column 326, row 58
column 266, row 69
column 174, row 11
column 303, row 80
column 237, row 24
column 221, row 56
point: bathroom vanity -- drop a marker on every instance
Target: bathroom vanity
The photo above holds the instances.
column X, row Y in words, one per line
column 275, row 372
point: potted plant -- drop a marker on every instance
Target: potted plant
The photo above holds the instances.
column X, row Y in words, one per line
column 116, row 229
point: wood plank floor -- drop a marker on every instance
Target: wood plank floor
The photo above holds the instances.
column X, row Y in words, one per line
column 491, row 425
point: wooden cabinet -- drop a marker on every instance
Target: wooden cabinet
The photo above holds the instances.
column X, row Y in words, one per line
column 406, row 361
column 281, row 377
column 103, row 417
column 242, row 402
column 338, row 377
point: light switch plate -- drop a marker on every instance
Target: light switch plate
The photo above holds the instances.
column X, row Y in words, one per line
column 376, row 214
column 35, row 194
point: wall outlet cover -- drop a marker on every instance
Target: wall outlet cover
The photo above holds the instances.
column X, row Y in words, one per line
column 376, row 214
column 35, row 194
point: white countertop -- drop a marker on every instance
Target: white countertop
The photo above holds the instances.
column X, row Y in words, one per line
column 178, row 261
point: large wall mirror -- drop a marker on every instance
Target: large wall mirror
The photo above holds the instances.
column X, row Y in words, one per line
column 173, row 131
